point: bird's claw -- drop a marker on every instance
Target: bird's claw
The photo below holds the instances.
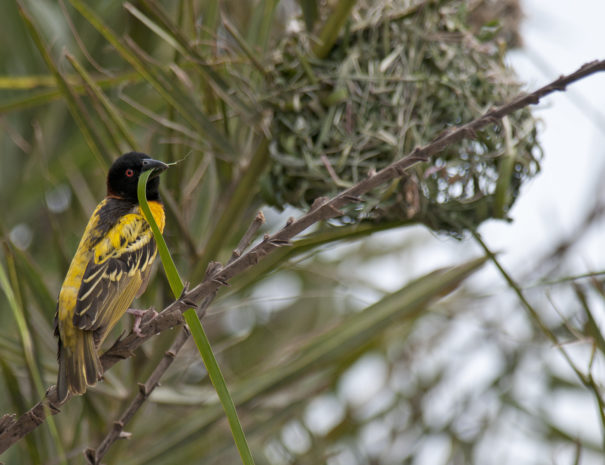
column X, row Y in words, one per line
column 138, row 318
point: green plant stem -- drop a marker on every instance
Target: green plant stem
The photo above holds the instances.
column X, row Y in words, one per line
column 587, row 380
column 28, row 353
column 109, row 107
column 197, row 330
column 155, row 77
column 77, row 112
column 238, row 201
column 331, row 29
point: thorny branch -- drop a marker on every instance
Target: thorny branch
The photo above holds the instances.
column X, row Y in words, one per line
column 12, row 429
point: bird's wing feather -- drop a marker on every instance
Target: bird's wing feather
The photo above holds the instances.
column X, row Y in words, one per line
column 120, row 263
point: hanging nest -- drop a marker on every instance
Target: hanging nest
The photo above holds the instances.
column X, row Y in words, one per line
column 397, row 78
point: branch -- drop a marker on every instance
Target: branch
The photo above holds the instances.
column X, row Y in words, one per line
column 94, row 456
column 11, row 429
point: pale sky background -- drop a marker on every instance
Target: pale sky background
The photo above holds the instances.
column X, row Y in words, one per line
column 559, row 36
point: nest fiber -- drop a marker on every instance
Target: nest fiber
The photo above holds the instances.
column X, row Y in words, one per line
column 398, row 77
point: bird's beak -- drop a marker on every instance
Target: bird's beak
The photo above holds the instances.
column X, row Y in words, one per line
column 155, row 165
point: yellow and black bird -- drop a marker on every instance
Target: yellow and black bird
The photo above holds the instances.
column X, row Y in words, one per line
column 110, row 268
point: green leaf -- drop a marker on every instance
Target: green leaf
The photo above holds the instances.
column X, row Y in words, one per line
column 310, row 12
column 197, row 331
column 238, row 202
column 16, row 395
column 79, row 114
column 330, row 30
column 160, row 82
column 28, row 351
column 175, row 35
column 112, row 111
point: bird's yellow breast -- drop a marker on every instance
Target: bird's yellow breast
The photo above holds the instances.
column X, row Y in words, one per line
column 157, row 210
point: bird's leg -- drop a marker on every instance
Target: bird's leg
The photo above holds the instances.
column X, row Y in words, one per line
column 138, row 317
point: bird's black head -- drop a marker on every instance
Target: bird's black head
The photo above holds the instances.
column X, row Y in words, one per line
column 123, row 176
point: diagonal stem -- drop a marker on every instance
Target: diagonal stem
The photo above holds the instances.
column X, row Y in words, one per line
column 195, row 327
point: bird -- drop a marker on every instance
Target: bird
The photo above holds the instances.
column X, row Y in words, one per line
column 110, row 268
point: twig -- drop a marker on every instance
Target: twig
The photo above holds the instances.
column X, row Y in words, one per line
column 259, row 220
column 566, row 244
column 587, row 380
column 331, row 171
column 322, row 209
column 94, row 456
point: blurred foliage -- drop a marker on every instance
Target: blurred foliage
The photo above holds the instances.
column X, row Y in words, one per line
column 332, row 356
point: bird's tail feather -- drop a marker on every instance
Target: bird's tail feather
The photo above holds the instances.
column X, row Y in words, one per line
column 78, row 367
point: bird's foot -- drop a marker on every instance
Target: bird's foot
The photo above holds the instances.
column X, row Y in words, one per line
column 138, row 317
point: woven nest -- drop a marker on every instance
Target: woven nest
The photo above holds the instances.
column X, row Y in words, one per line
column 397, row 78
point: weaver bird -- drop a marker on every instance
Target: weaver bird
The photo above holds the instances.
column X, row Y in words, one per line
column 110, row 268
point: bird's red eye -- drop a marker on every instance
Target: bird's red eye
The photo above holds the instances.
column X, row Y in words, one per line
column 129, row 173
